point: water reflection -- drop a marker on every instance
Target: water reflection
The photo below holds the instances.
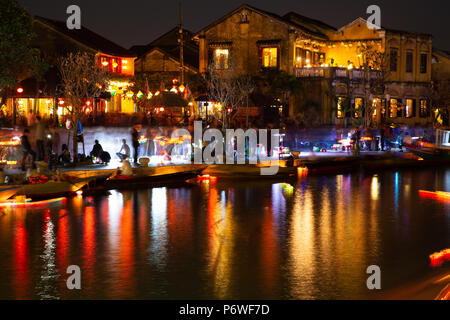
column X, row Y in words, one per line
column 241, row 240
column 46, row 285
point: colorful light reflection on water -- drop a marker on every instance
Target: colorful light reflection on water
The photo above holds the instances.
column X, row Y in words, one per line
column 246, row 240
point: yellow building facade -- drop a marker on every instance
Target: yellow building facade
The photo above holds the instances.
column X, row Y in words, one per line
column 329, row 62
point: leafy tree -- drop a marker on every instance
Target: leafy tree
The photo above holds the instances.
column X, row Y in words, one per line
column 374, row 65
column 279, row 84
column 16, row 58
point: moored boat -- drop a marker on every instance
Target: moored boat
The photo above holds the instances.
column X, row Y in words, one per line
column 154, row 175
column 7, row 192
column 440, row 150
column 52, row 189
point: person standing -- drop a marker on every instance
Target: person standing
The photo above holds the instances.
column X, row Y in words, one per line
column 26, row 149
column 135, row 141
column 40, row 136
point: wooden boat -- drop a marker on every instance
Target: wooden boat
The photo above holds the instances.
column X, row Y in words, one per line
column 52, row 189
column 7, row 192
column 32, row 204
column 154, row 175
column 440, row 150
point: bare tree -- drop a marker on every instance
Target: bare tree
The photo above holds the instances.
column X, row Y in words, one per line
column 82, row 79
column 224, row 87
column 374, row 67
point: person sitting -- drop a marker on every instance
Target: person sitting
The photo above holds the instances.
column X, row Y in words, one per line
column 105, row 157
column 64, row 157
column 125, row 171
column 124, row 152
column 96, row 150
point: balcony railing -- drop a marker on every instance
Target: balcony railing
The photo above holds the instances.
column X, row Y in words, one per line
column 333, row 72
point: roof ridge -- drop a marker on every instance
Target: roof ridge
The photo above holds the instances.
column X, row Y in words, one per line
column 77, row 35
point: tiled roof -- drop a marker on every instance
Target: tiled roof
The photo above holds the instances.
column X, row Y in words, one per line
column 168, row 43
column 87, row 38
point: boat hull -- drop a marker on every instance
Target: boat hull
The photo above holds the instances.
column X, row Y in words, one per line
column 7, row 192
column 144, row 177
column 52, row 189
column 430, row 153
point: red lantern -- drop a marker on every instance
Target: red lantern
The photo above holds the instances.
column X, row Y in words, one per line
column 19, row 90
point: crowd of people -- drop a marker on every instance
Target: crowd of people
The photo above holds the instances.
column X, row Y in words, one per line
column 42, row 144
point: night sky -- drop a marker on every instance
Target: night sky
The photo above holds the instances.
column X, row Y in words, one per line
column 134, row 22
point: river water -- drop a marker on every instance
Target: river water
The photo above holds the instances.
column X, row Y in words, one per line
column 309, row 239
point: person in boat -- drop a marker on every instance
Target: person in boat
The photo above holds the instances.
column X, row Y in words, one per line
column 64, row 157
column 124, row 152
column 407, row 140
column 96, row 150
column 26, row 149
column 125, row 170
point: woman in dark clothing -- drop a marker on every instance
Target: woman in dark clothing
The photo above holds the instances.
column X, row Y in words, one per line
column 26, row 149
column 135, row 141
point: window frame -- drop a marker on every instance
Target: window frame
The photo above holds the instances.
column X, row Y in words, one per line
column 409, row 61
column 393, row 62
column 226, row 63
column 358, row 114
column 424, row 112
column 391, row 114
column 269, row 47
column 412, row 113
column 423, row 66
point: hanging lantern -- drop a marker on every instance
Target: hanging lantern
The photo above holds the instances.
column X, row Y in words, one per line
column 182, row 88
column 174, row 90
column 140, row 95
column 130, row 94
column 150, row 95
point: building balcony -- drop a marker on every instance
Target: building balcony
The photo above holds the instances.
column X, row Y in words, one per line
column 334, row 73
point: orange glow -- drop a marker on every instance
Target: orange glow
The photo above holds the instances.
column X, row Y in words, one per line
column 438, row 195
column 438, row 258
column 207, row 178
column 37, row 204
column 302, row 171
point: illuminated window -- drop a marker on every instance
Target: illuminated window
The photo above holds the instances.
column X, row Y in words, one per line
column 299, row 57
column 393, row 108
column 424, row 111
column 321, row 58
column 340, row 108
column 377, row 108
column 270, row 57
column 221, row 59
column 359, row 105
column 410, row 108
